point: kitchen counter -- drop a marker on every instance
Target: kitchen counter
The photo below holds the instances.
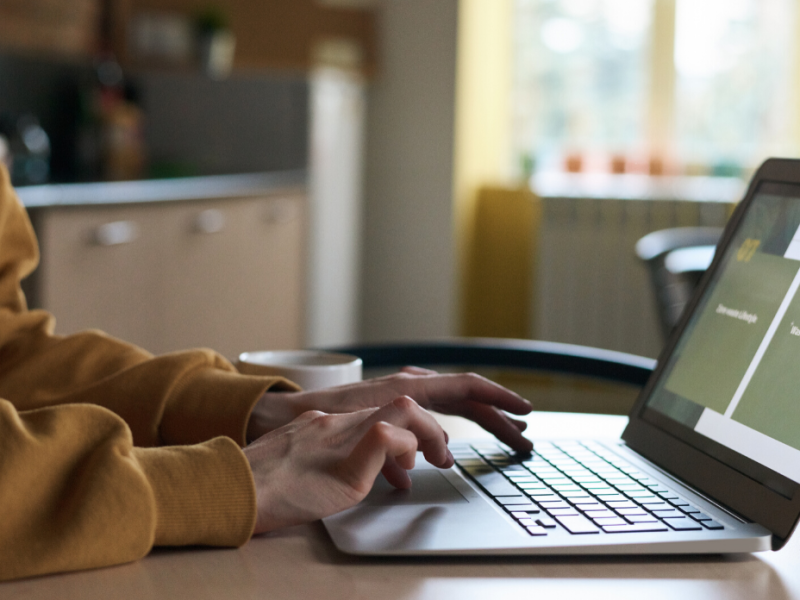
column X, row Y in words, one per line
column 215, row 262
column 160, row 190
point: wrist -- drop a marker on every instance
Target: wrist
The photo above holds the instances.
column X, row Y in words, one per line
column 273, row 410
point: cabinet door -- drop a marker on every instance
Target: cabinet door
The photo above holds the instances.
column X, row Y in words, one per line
column 224, row 274
column 233, row 274
column 100, row 269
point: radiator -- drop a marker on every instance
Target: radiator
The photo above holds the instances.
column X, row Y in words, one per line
column 589, row 286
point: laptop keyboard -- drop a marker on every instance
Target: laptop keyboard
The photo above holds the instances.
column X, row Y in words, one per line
column 580, row 486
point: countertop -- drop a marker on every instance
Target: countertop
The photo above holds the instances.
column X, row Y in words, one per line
column 160, row 190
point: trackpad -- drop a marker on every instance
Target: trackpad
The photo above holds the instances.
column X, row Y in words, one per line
column 428, row 486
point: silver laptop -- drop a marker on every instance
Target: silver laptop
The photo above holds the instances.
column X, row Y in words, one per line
column 710, row 459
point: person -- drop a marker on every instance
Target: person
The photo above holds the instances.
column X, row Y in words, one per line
column 107, row 450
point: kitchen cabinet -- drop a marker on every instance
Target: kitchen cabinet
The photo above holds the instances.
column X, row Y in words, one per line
column 224, row 273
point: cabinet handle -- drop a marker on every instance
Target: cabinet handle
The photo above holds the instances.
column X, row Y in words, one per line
column 210, row 220
column 116, row 233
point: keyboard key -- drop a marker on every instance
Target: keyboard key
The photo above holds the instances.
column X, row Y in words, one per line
column 597, row 487
column 554, row 504
column 563, row 512
column 545, row 522
column 587, row 502
column 522, row 514
column 683, row 524
column 526, row 508
column 668, row 513
column 617, row 481
column 612, row 498
column 632, row 511
column 576, row 496
column 668, row 496
column 603, row 521
column 522, row 479
column 554, row 481
column 527, row 522
column 641, row 496
column 700, row 516
column 599, row 514
column 679, row 502
column 494, row 483
column 536, row 530
column 537, row 496
column 504, row 500
column 531, row 488
column 567, row 487
column 622, row 504
column 635, row 528
column 495, row 455
column 641, row 518
column 653, row 504
column 711, row 524
column 473, row 463
column 578, row 524
column 633, row 490
column 689, row 509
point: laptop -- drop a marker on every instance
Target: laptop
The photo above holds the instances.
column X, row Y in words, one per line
column 709, row 461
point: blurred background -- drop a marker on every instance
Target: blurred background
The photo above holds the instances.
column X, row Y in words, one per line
column 252, row 174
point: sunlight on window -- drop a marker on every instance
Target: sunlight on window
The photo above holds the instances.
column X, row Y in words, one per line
column 584, row 83
column 580, row 77
column 734, row 62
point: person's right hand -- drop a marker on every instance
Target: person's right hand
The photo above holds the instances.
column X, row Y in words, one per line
column 320, row 464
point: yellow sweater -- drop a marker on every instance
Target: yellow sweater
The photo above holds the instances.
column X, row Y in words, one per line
column 106, row 450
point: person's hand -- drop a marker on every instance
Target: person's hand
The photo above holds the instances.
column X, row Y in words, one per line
column 466, row 395
column 320, row 464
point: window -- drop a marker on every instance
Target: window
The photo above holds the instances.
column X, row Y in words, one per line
column 734, row 63
column 588, row 86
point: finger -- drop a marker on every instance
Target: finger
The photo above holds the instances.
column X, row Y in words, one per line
column 446, row 393
column 502, row 427
column 412, row 370
column 404, row 412
column 369, row 456
column 521, row 425
column 395, row 474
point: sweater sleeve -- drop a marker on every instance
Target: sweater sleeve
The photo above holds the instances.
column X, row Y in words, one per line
column 76, row 494
column 179, row 398
column 106, row 450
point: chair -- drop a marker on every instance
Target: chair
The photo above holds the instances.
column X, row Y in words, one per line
column 517, row 355
column 676, row 259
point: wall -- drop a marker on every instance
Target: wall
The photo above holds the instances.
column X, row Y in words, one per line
column 482, row 148
column 253, row 121
column 409, row 263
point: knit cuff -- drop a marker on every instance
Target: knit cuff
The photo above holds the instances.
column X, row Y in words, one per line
column 204, row 494
column 209, row 402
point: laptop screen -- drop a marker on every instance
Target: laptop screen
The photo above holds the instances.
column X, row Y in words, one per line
column 731, row 387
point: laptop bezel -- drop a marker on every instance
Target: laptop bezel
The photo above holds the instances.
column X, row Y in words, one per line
column 720, row 481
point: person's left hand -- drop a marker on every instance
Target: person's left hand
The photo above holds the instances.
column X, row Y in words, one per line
column 466, row 395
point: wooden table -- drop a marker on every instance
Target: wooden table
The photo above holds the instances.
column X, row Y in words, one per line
column 301, row 562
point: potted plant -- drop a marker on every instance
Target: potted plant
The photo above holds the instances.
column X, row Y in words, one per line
column 216, row 43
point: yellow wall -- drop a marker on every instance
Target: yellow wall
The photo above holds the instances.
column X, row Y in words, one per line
column 482, row 131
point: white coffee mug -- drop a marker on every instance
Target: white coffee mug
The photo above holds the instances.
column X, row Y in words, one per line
column 310, row 369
